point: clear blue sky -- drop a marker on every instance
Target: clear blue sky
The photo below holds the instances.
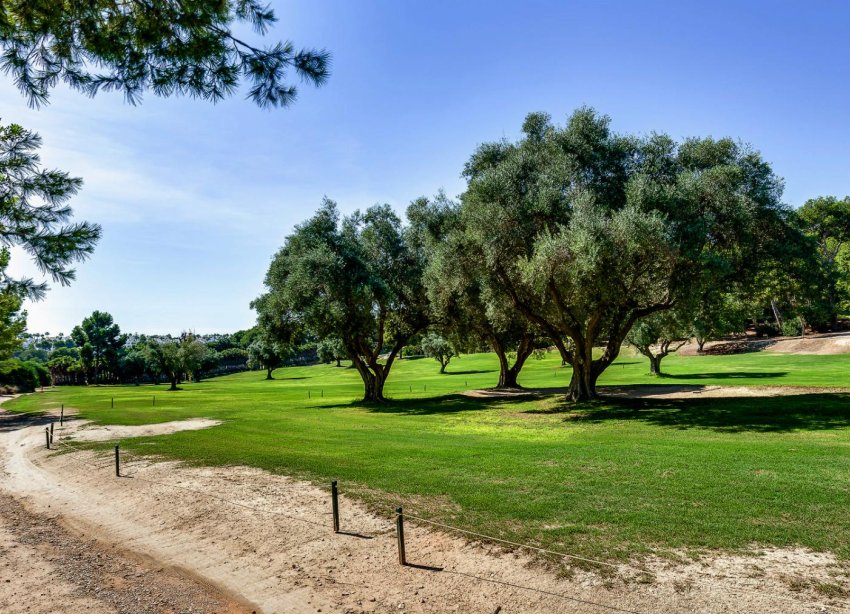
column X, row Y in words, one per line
column 195, row 198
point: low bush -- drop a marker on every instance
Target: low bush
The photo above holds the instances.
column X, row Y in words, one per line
column 21, row 376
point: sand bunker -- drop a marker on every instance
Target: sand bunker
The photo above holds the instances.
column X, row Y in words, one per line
column 111, row 431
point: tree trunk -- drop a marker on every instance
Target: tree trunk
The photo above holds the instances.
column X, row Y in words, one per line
column 269, row 373
column 700, row 344
column 509, row 375
column 443, row 365
column 776, row 315
column 655, row 365
column 173, row 383
column 374, row 386
column 583, row 382
column 338, row 364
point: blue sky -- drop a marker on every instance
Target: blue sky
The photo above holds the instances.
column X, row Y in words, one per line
column 195, row 198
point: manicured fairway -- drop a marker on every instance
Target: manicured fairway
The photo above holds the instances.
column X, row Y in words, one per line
column 609, row 479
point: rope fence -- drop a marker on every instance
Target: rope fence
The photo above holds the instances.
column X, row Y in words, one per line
column 141, row 462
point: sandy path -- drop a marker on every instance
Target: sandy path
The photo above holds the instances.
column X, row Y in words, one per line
column 286, row 559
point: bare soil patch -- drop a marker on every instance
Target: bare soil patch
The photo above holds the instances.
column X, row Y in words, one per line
column 268, row 539
column 84, row 431
column 827, row 343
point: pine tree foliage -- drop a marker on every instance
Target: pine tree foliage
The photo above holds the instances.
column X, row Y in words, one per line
column 169, row 47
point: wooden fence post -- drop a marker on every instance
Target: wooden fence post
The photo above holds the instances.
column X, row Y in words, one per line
column 117, row 463
column 399, row 528
column 335, row 505
column 47, row 437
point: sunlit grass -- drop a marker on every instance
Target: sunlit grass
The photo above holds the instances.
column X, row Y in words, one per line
column 608, row 479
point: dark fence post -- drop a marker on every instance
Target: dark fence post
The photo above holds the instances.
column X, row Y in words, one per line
column 399, row 528
column 117, row 463
column 51, row 430
column 113, row 403
column 335, row 505
column 47, row 437
column 62, row 415
column 154, row 401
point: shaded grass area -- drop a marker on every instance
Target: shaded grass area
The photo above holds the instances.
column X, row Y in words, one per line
column 608, row 479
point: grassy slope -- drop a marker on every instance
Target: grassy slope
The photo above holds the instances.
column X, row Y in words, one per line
column 606, row 480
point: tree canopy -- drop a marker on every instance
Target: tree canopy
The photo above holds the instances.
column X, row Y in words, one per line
column 168, row 47
column 100, row 340
column 356, row 278
column 589, row 231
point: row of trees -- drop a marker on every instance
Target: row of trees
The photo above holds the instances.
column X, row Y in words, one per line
column 97, row 352
column 574, row 237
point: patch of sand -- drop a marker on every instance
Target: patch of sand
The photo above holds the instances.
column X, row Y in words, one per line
column 83, row 431
column 821, row 344
column 267, row 538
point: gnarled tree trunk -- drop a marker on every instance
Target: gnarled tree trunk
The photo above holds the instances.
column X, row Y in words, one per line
column 509, row 374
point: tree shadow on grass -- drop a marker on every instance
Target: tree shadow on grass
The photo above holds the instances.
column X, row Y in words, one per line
column 803, row 412
column 726, row 375
column 444, row 404
column 470, row 372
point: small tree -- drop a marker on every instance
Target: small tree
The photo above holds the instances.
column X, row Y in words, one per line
column 659, row 335
column 440, row 349
column 330, row 350
column 265, row 353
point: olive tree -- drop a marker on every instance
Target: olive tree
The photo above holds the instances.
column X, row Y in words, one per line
column 588, row 231
column 659, row 335
column 357, row 278
column 266, row 353
column 440, row 349
column 462, row 303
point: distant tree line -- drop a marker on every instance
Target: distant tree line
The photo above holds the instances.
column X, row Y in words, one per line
column 574, row 238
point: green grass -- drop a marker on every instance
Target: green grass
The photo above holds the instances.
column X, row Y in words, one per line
column 609, row 479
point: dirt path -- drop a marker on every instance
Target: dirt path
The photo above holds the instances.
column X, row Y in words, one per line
column 267, row 538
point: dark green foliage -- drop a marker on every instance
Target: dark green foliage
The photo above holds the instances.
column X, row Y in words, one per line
column 467, row 304
column 358, row 279
column 588, row 231
column 20, row 375
column 34, row 213
column 267, row 353
column 827, row 220
column 169, row 47
column 100, row 341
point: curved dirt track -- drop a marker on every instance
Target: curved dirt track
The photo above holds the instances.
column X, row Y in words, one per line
column 266, row 539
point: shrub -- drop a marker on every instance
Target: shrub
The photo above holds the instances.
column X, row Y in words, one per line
column 792, row 328
column 20, row 375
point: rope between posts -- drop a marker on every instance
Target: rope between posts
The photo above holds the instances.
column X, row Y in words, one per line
column 837, row 603
column 517, row 544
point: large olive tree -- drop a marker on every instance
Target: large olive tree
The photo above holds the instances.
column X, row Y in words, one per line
column 357, row 279
column 588, row 231
column 463, row 304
